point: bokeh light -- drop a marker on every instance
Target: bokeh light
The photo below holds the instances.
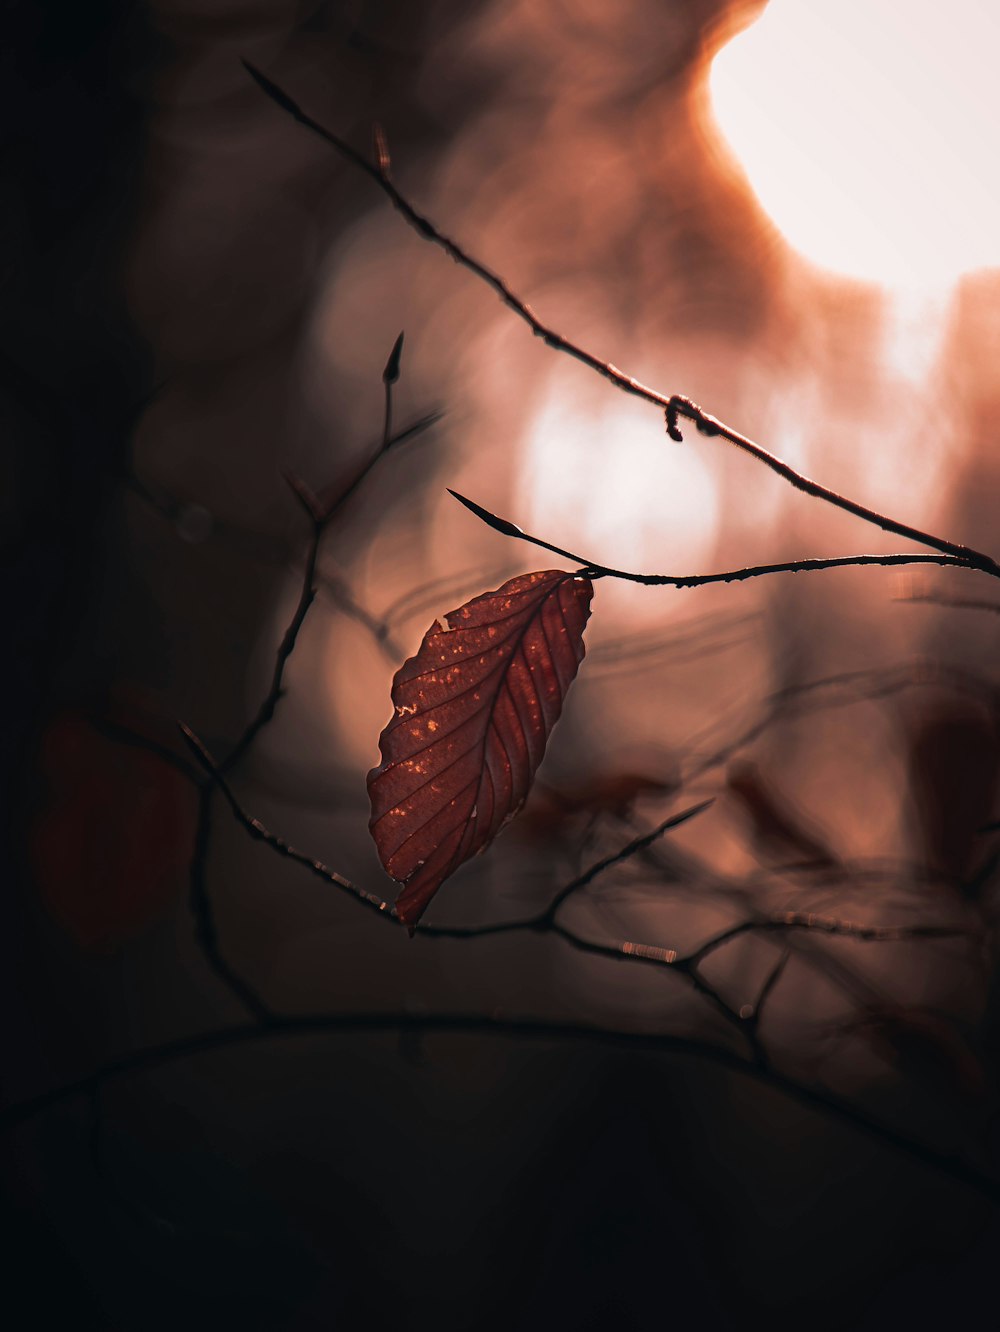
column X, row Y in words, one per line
column 869, row 131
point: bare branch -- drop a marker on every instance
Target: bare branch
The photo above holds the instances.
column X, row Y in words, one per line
column 952, row 603
column 285, row 649
column 687, row 967
column 257, row 830
column 674, row 405
column 204, row 917
column 595, row 570
column 947, row 1163
column 320, row 510
column 789, row 921
column 637, row 844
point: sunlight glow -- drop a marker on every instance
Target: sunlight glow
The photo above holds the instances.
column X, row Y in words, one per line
column 870, row 132
column 599, row 478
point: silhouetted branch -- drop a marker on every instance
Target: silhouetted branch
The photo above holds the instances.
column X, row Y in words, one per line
column 204, row 916
column 858, row 686
column 687, row 966
column 790, row 921
column 595, row 570
column 320, row 510
column 379, row 629
column 286, row 647
column 947, row 1163
column 124, row 735
column 767, row 989
column 952, row 603
column 637, row 844
column 674, row 406
column 257, row 830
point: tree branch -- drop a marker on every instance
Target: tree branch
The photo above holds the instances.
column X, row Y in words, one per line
column 595, row 570
column 320, row 510
column 257, row 830
column 946, row 1163
column 637, row 844
column 674, row 406
column 688, row 966
column 204, row 917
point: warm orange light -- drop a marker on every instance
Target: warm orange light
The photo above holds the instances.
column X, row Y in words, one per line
column 597, row 470
column 870, row 131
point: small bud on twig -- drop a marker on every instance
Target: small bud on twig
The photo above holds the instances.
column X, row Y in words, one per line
column 391, row 372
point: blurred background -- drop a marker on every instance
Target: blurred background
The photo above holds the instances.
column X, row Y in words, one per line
column 786, row 212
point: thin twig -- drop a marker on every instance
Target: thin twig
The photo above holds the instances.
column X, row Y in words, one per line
column 257, row 830
column 319, row 518
column 786, row 922
column 545, row 922
column 596, row 570
column 880, row 682
column 952, row 603
column 780, row 923
column 637, row 844
column 380, row 630
column 673, row 405
column 204, row 917
column 270, row 1025
column 687, row 967
column 752, row 1013
column 124, row 735
column 286, row 647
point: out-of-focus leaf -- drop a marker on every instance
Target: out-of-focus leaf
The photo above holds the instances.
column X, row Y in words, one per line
column 924, row 1045
column 473, row 713
column 113, row 836
column 954, row 771
column 552, row 811
column 777, row 827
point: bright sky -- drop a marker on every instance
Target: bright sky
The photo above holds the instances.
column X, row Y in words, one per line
column 870, row 131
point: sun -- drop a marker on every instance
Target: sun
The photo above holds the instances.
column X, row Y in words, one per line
column 870, row 132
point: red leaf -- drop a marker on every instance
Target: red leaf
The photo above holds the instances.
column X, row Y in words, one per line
column 474, row 711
